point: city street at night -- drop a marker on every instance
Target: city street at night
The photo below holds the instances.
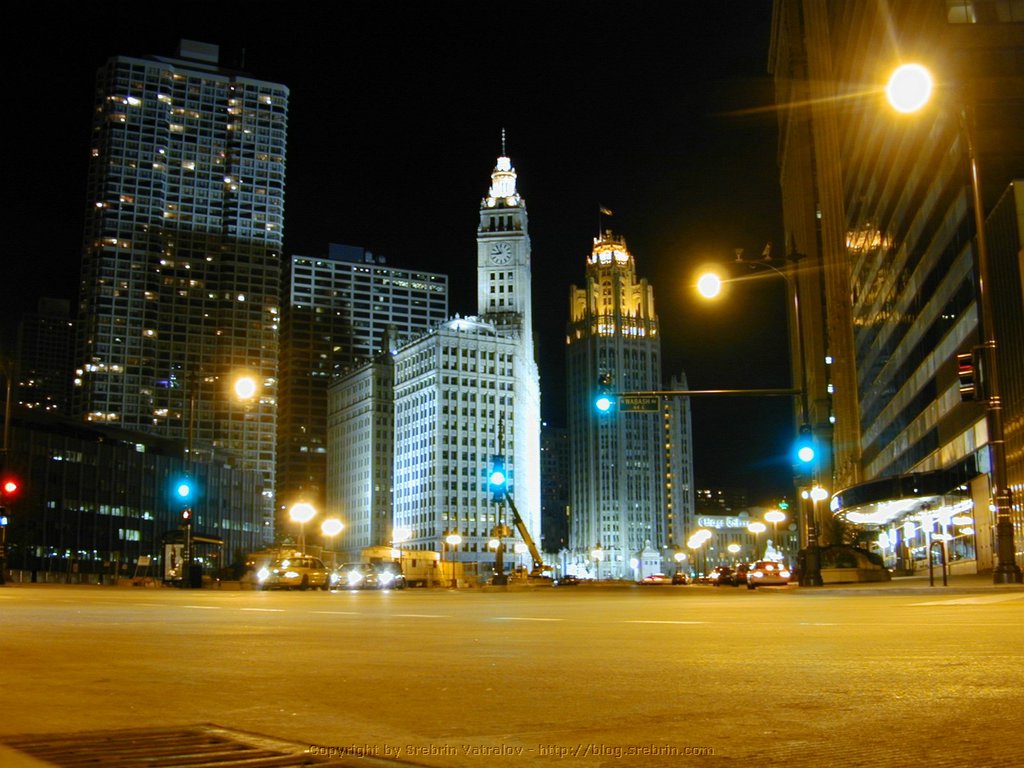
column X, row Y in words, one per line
column 572, row 676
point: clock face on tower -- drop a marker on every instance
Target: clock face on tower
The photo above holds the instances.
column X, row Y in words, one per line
column 501, row 253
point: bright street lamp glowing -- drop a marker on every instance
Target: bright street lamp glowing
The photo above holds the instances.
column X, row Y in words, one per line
column 302, row 512
column 757, row 527
column 246, row 387
column 818, row 493
column 332, row 526
column 453, row 539
column 775, row 516
column 709, row 285
column 733, row 548
column 909, row 88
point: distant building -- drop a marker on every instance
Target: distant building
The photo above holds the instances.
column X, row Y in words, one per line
column 95, row 498
column 554, row 487
column 464, row 393
column 181, row 270
column 44, row 357
column 881, row 206
column 631, row 489
column 341, row 310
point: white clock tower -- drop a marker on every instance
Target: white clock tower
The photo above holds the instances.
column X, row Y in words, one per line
column 504, row 297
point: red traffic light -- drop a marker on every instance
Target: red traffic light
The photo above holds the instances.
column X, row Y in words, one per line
column 10, row 486
column 186, row 514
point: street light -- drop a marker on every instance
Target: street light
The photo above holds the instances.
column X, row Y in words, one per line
column 302, row 513
column 710, row 286
column 757, row 528
column 330, row 528
column 453, row 540
column 775, row 517
column 598, row 555
column 911, row 92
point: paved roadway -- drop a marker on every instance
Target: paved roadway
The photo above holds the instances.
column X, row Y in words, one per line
column 652, row 676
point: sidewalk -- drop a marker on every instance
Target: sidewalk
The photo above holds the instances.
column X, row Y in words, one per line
column 962, row 584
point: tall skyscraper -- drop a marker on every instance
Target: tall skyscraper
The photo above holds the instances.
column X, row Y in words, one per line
column 881, row 204
column 463, row 393
column 622, row 464
column 341, row 311
column 181, row 270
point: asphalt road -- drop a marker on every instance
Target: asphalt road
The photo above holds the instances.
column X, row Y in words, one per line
column 652, row 676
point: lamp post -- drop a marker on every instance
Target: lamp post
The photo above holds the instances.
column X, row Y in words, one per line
column 453, row 540
column 330, row 528
column 757, row 528
column 710, row 285
column 597, row 553
column 775, row 517
column 400, row 536
column 302, row 513
column 908, row 90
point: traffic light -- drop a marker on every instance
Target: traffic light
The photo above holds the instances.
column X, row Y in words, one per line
column 604, row 400
column 498, row 479
column 186, row 515
column 968, row 371
column 10, row 486
column 183, row 489
column 804, row 448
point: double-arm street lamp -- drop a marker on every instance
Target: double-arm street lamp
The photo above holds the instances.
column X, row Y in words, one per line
column 909, row 90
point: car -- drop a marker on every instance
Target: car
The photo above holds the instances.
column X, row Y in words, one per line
column 389, row 576
column 566, row 581
column 722, row 574
column 679, row 578
column 356, row 576
column 655, row 578
column 294, row 572
column 767, row 573
column 740, row 574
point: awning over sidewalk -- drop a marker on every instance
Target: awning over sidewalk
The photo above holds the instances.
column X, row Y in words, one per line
column 883, row 501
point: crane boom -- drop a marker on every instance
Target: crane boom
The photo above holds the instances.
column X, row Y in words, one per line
column 538, row 564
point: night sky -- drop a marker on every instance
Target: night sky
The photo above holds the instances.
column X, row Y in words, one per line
column 649, row 109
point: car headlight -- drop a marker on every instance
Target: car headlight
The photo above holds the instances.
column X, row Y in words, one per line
column 262, row 574
column 354, row 577
column 335, row 578
column 757, row 575
column 784, row 574
column 387, row 577
column 291, row 574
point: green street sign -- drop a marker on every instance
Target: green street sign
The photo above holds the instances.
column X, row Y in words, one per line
column 639, row 403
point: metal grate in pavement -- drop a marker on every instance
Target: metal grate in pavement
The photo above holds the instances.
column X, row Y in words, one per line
column 191, row 746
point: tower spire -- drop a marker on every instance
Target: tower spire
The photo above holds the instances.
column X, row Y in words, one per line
column 503, row 153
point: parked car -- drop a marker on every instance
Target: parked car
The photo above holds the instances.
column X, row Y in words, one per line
column 566, row 581
column 766, row 573
column 295, row 572
column 655, row 578
column 356, row 576
column 722, row 574
column 679, row 578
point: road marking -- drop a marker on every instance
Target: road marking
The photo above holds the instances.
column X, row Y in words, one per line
column 422, row 615
column 524, row 618
column 264, row 610
column 818, row 624
column 983, row 600
column 651, row 621
column 339, row 613
column 204, row 607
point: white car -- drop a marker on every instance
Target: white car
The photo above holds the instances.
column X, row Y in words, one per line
column 767, row 574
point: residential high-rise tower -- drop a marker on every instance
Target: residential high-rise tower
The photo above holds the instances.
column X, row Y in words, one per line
column 180, row 290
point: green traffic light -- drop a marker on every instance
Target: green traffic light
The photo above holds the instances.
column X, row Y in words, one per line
column 603, row 403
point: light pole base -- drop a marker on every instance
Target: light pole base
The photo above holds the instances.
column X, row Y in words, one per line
column 1007, row 573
